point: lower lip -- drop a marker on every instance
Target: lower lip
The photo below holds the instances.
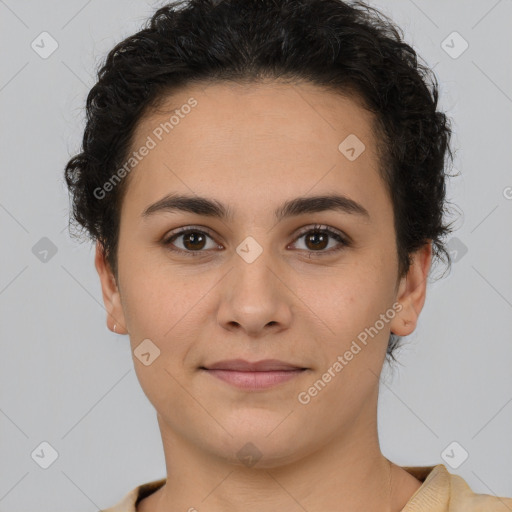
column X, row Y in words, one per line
column 254, row 380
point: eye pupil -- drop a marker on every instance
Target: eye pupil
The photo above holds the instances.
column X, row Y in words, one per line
column 193, row 238
column 314, row 236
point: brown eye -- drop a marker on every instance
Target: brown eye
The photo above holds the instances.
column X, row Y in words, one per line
column 317, row 240
column 193, row 242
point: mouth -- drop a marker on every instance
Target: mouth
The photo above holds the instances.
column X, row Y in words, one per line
column 253, row 376
column 265, row 365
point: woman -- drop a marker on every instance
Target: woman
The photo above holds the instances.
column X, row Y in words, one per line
column 265, row 183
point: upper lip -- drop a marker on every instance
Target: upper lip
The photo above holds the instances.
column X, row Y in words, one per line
column 258, row 366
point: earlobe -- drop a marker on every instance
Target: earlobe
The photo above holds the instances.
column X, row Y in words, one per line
column 110, row 292
column 412, row 292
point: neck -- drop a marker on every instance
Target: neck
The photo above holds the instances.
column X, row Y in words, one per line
column 349, row 474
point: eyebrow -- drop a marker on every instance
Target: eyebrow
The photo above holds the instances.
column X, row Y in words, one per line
column 293, row 207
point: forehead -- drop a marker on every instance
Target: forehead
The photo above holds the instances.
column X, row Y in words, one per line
column 256, row 143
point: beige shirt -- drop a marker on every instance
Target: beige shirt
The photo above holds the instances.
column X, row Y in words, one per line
column 440, row 491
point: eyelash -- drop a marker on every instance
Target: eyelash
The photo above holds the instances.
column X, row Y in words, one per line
column 317, row 228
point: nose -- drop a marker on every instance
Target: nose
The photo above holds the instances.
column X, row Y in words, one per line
column 254, row 297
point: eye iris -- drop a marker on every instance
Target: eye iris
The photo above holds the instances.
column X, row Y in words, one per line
column 314, row 237
column 193, row 238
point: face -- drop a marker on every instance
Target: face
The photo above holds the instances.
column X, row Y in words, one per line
column 278, row 276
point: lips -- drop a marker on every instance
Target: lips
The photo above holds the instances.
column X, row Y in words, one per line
column 266, row 365
column 257, row 376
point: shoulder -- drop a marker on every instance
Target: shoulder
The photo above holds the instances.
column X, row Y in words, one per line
column 463, row 499
column 442, row 491
column 129, row 502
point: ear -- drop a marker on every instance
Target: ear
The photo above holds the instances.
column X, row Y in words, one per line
column 412, row 292
column 111, row 296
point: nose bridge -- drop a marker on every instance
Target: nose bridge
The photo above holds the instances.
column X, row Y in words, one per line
column 253, row 275
column 253, row 296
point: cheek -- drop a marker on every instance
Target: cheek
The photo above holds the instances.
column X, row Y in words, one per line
column 161, row 306
column 155, row 294
column 169, row 308
column 163, row 312
column 351, row 301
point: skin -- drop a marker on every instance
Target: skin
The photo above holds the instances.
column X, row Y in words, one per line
column 253, row 148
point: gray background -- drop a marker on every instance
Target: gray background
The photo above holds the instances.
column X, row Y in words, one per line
column 67, row 380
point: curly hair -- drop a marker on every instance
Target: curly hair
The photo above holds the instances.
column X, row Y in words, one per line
column 352, row 49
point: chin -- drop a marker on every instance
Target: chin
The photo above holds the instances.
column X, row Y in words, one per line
column 260, row 446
